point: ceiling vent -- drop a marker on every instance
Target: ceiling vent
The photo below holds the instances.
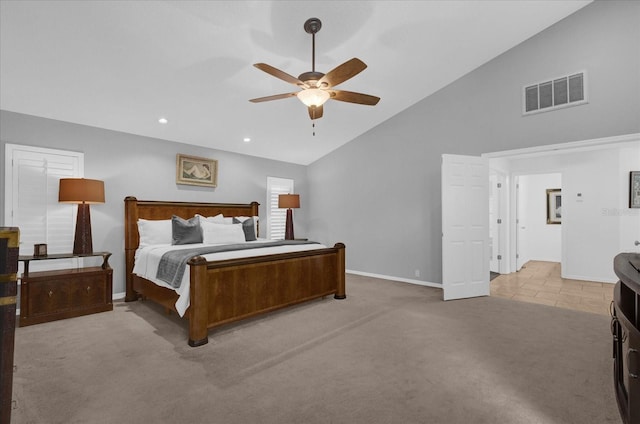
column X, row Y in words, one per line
column 555, row 93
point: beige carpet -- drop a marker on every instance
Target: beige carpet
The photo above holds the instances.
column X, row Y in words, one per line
column 390, row 353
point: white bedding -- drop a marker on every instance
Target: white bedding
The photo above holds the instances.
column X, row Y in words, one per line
column 147, row 259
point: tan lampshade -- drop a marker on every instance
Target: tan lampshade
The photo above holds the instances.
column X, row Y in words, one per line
column 81, row 190
column 289, row 201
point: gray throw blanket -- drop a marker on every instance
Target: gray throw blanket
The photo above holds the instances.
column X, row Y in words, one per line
column 173, row 264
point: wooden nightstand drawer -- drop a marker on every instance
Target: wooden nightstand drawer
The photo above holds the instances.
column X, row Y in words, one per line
column 52, row 295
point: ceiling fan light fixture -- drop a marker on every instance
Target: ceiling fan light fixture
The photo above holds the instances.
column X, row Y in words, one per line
column 317, row 87
column 313, row 97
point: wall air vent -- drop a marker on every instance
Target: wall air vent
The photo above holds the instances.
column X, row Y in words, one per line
column 555, row 93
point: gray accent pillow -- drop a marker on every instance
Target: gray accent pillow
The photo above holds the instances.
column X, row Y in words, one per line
column 185, row 231
column 248, row 227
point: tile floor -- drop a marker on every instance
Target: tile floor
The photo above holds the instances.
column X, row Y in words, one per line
column 540, row 282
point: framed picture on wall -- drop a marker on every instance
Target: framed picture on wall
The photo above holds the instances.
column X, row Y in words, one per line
column 192, row 170
column 634, row 189
column 554, row 206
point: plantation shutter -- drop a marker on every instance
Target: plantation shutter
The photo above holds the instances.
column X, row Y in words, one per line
column 276, row 217
column 31, row 194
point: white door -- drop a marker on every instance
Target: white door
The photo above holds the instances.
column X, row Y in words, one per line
column 465, row 226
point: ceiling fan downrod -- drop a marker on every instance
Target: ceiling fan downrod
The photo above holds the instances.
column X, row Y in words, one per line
column 311, row 26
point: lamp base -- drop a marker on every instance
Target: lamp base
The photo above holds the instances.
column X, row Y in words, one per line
column 82, row 243
column 288, row 231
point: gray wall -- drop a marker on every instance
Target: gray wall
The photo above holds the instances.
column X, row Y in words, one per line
column 144, row 167
column 380, row 193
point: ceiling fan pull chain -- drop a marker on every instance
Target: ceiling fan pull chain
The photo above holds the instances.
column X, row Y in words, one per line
column 313, row 125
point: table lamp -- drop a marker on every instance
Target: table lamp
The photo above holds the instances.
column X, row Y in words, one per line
column 83, row 192
column 289, row 201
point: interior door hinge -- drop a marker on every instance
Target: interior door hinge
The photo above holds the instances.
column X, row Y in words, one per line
column 499, row 257
column 499, row 185
column 499, row 221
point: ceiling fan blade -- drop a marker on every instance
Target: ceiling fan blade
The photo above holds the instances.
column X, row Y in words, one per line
column 315, row 112
column 274, row 97
column 278, row 74
column 343, row 72
column 351, row 97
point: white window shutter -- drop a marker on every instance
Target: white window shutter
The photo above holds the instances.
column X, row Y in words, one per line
column 32, row 180
column 276, row 217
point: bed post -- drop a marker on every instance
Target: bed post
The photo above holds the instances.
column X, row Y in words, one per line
column 340, row 287
column 131, row 241
column 199, row 301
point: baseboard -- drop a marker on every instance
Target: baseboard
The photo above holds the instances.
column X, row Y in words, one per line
column 388, row 277
column 594, row 279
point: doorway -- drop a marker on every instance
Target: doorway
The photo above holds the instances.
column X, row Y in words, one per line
column 592, row 172
column 538, row 238
column 595, row 191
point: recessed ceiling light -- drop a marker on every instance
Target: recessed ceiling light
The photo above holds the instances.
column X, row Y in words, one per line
column 163, row 120
column 246, row 139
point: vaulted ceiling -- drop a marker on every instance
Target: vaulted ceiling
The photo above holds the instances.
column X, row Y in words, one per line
column 123, row 65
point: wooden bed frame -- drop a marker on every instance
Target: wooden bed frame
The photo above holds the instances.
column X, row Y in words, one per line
column 234, row 289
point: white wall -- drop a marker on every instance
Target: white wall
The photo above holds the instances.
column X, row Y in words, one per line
column 538, row 241
column 629, row 219
column 597, row 225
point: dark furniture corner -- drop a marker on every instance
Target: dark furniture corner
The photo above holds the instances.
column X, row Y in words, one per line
column 625, row 327
column 9, row 245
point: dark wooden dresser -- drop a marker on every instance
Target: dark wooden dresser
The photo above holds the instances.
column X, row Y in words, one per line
column 625, row 326
column 9, row 245
column 64, row 293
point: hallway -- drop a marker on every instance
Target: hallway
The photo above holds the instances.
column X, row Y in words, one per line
column 540, row 282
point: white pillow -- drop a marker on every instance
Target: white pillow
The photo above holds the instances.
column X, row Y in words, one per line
column 215, row 233
column 156, row 231
column 218, row 219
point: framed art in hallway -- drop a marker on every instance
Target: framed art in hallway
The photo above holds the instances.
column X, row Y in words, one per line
column 634, row 189
column 554, row 206
column 193, row 170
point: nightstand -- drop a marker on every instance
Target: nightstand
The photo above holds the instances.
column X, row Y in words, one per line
column 64, row 293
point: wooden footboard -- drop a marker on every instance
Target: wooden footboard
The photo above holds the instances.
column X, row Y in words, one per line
column 230, row 290
column 227, row 291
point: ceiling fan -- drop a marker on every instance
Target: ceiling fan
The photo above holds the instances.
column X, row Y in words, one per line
column 317, row 87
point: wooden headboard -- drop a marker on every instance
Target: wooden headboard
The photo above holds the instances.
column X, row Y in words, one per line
column 135, row 209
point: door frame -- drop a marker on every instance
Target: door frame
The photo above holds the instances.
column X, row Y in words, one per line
column 500, row 246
